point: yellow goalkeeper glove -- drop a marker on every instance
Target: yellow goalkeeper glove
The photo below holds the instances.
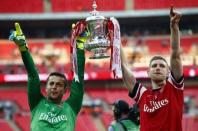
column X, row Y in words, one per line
column 18, row 37
column 82, row 38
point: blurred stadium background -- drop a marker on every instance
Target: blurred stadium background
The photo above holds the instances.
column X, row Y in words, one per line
column 47, row 24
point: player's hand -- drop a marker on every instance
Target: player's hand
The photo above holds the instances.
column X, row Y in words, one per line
column 82, row 38
column 17, row 36
column 175, row 17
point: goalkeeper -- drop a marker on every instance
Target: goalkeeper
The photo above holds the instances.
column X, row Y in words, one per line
column 50, row 113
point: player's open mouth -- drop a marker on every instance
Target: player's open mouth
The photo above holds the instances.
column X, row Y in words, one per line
column 54, row 93
column 158, row 73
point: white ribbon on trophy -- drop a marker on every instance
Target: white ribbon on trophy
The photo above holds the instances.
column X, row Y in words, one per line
column 115, row 61
column 104, row 34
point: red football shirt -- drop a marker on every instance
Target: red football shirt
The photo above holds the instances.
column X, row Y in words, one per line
column 160, row 110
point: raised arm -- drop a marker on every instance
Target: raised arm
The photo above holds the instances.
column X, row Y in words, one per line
column 34, row 94
column 175, row 58
column 77, row 88
column 127, row 74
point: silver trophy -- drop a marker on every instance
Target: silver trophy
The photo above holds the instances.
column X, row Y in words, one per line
column 98, row 42
column 103, row 34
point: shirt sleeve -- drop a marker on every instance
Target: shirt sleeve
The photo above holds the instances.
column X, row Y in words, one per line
column 77, row 88
column 137, row 92
column 34, row 93
column 120, row 126
column 179, row 84
column 111, row 128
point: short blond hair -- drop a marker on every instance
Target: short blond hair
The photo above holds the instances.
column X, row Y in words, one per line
column 157, row 57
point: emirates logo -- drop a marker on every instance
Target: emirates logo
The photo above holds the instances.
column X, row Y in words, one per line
column 155, row 105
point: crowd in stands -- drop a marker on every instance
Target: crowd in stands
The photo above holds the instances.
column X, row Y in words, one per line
column 55, row 54
column 7, row 109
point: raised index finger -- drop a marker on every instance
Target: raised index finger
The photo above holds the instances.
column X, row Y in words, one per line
column 171, row 10
column 18, row 29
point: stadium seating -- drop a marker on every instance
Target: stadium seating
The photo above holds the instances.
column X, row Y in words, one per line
column 190, row 123
column 107, row 118
column 163, row 4
column 21, row 6
column 22, row 121
column 41, row 52
column 5, row 126
column 38, row 6
column 7, row 52
column 85, row 123
column 163, row 44
column 17, row 95
column 86, row 5
column 110, row 95
column 193, row 93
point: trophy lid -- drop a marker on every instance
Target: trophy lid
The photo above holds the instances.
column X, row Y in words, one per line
column 94, row 14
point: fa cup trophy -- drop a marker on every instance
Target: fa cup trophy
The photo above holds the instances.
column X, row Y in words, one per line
column 98, row 41
column 104, row 34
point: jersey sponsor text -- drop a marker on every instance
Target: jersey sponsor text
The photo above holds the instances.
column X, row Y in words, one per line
column 155, row 105
column 52, row 118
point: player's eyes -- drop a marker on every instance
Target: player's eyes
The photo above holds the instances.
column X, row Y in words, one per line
column 154, row 65
column 162, row 65
column 51, row 83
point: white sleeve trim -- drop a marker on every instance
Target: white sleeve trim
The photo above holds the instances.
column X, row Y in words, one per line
column 179, row 86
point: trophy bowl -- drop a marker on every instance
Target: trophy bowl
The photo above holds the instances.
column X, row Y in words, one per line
column 98, row 42
column 100, row 34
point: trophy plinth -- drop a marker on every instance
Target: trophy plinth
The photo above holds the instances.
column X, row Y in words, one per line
column 98, row 42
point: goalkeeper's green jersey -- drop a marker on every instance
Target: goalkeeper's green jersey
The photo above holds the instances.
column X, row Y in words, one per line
column 45, row 115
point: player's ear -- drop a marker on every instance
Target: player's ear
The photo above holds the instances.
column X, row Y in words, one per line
column 46, row 86
column 168, row 72
column 148, row 72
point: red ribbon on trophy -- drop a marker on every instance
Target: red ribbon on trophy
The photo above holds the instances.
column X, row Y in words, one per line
column 78, row 29
column 115, row 40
